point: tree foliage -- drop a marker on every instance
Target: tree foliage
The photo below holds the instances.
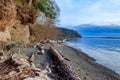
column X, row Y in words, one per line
column 27, row 10
column 49, row 7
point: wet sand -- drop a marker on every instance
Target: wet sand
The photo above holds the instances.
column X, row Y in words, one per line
column 84, row 66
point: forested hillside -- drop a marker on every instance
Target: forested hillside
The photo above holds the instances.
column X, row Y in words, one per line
column 68, row 33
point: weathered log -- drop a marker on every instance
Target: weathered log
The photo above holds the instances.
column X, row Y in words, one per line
column 64, row 70
column 18, row 61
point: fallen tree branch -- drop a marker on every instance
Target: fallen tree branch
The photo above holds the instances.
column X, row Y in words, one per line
column 64, row 70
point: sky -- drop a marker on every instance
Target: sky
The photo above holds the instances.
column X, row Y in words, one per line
column 100, row 12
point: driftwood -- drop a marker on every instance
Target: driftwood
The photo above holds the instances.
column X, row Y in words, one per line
column 64, row 70
column 40, row 47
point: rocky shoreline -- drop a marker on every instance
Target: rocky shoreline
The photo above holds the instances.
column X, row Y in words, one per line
column 84, row 66
column 36, row 62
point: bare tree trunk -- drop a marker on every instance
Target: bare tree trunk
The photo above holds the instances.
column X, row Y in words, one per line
column 30, row 2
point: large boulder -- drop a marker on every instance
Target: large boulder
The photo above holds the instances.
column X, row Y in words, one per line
column 20, row 33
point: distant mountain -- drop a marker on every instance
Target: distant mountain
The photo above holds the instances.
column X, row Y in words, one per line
column 93, row 25
column 88, row 30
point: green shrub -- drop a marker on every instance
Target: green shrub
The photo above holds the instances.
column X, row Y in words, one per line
column 48, row 7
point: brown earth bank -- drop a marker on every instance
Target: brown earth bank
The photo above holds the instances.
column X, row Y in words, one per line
column 84, row 66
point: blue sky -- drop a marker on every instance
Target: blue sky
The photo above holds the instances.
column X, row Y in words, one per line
column 76, row 12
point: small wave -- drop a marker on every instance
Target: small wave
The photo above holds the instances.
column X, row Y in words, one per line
column 106, row 57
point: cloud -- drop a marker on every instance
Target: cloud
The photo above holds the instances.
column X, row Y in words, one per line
column 77, row 12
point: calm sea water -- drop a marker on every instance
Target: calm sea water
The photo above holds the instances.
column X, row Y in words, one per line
column 105, row 51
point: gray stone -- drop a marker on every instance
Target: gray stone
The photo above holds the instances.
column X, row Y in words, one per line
column 1, row 53
column 36, row 78
column 12, row 73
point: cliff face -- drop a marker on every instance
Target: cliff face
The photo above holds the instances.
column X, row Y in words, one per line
column 26, row 12
column 7, row 14
column 7, row 19
column 20, row 33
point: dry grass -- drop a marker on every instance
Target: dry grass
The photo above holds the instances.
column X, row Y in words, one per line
column 40, row 32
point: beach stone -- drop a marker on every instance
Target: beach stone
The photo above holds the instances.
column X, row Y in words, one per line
column 42, row 51
column 29, row 78
column 32, row 57
column 3, row 58
column 36, row 78
column 12, row 73
column 1, row 53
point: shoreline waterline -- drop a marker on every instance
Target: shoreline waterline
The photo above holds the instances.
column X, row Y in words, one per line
column 104, row 51
column 93, row 59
